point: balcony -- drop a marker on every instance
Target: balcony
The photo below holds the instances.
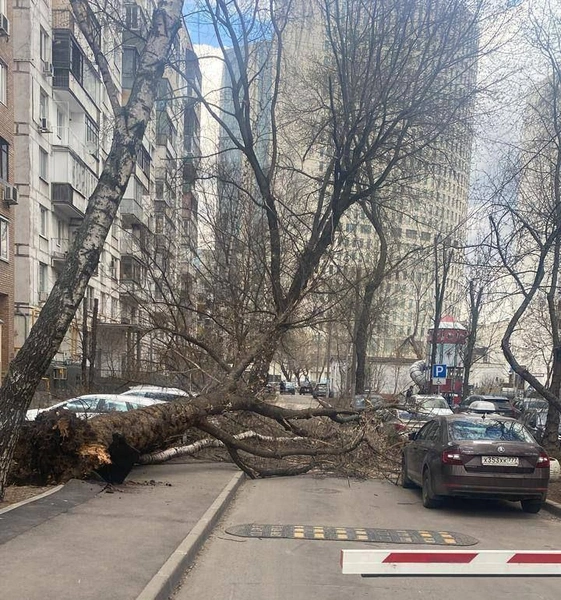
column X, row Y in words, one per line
column 59, row 252
column 64, row 19
column 130, row 246
column 66, row 201
column 132, row 213
column 75, row 79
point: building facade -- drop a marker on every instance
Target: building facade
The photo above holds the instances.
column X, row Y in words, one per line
column 63, row 124
column 8, row 193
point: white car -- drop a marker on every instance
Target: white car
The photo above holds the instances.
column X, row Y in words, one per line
column 157, row 392
column 90, row 405
column 433, row 405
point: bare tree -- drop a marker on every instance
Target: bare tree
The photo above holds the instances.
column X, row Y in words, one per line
column 528, row 232
column 311, row 139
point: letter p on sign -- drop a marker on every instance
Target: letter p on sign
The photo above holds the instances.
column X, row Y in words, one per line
column 438, row 374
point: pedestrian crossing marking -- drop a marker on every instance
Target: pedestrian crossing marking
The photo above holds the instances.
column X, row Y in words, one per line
column 352, row 534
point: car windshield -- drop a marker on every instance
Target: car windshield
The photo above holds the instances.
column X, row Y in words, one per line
column 433, row 403
column 82, row 405
column 488, row 430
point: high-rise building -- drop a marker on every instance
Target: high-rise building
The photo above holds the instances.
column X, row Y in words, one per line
column 63, row 135
column 427, row 201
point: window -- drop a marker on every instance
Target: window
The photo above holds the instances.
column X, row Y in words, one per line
column 3, row 83
column 4, row 240
column 76, row 62
column 42, row 277
column 59, row 123
column 43, row 164
column 43, row 229
column 44, row 45
column 43, row 105
column 132, row 17
column 130, row 57
column 4, row 152
column 92, row 136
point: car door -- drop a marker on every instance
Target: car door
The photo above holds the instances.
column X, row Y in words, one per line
column 417, row 450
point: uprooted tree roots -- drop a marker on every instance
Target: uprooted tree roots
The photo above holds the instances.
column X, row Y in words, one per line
column 262, row 439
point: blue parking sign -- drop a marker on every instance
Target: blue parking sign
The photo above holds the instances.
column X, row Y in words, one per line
column 439, row 374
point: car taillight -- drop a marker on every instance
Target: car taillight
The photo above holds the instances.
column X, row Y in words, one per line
column 400, row 427
column 451, row 457
column 543, row 460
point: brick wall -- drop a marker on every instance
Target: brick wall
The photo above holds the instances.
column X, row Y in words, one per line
column 7, row 212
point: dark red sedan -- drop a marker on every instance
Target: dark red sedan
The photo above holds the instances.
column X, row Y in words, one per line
column 476, row 456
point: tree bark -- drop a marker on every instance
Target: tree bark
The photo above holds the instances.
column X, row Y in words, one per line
column 59, row 446
column 45, row 337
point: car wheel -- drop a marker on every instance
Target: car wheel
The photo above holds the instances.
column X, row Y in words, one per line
column 405, row 481
column 531, row 506
column 429, row 499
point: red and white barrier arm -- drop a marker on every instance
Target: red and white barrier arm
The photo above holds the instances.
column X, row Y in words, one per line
column 375, row 563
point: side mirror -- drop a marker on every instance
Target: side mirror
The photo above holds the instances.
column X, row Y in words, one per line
column 412, row 435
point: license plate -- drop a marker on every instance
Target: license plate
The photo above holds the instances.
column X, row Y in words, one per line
column 504, row 461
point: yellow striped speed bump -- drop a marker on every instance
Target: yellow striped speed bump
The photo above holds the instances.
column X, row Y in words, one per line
column 353, row 534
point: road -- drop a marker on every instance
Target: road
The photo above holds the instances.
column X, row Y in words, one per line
column 240, row 568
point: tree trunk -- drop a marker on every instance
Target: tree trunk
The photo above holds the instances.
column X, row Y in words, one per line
column 59, row 446
column 93, row 346
column 44, row 339
column 475, row 299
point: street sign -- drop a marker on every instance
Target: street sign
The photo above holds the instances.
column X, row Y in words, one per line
column 439, row 374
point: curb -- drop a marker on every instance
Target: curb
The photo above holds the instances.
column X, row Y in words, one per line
column 553, row 508
column 31, row 499
column 164, row 582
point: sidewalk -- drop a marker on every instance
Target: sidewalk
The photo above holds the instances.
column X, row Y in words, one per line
column 82, row 542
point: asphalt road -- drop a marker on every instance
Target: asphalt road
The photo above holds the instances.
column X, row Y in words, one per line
column 238, row 568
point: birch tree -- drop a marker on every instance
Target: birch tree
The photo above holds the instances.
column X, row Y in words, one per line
column 323, row 100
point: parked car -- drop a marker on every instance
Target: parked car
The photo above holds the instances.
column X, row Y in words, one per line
column 289, row 388
column 535, row 420
column 476, row 456
column 306, row 388
column 91, row 405
column 503, row 405
column 157, row 392
column 367, row 400
column 530, row 404
column 428, row 404
column 402, row 422
column 414, row 414
column 321, row 390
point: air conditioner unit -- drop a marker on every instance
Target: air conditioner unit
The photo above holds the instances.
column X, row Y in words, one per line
column 4, row 25
column 10, row 195
column 48, row 69
column 44, row 125
column 43, row 296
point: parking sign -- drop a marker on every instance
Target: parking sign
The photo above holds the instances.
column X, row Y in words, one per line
column 439, row 374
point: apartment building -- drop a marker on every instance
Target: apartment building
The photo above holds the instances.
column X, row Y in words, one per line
column 428, row 199
column 8, row 193
column 62, row 138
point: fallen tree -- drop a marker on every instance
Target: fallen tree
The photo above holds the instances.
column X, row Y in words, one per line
column 391, row 70
column 58, row 446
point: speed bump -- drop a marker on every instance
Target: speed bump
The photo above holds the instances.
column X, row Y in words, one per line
column 352, row 534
